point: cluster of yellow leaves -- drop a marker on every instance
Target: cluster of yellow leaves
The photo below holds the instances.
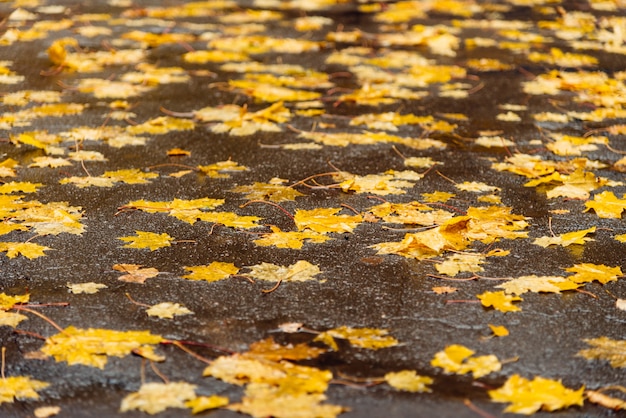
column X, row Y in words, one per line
column 484, row 224
column 52, row 218
column 273, row 381
column 194, row 210
column 369, row 338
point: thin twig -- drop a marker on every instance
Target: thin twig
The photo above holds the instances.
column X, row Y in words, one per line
column 158, row 372
column 191, row 353
column 4, row 352
column 273, row 288
column 476, row 409
column 135, row 302
column 285, row 211
column 42, row 316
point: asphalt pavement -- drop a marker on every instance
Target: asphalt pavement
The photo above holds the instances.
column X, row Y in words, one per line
column 211, row 125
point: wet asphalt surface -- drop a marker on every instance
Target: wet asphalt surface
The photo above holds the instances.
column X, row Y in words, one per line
column 360, row 288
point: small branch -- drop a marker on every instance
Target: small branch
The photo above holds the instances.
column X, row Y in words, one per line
column 449, row 301
column 4, row 352
column 31, row 334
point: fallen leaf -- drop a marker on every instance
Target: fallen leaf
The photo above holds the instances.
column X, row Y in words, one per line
column 89, row 288
column 134, row 273
column 458, row 359
column 263, row 400
column 289, row 239
column 325, row 220
column 270, row 350
column 205, row 403
column 20, row 387
column 213, row 272
column 499, row 330
column 167, row 310
column 499, row 301
column 567, row 239
column 46, row 411
column 27, row 249
column 532, row 283
column 368, row 338
column 588, row 272
column 300, row 271
column 153, row 398
column 529, row 396
column 606, row 401
column 92, row 346
column 605, row 348
column 409, row 381
column 150, row 240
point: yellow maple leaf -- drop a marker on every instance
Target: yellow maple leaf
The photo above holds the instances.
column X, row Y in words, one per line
column 11, row 319
column 325, row 220
column 92, row 346
column 409, row 381
column 7, row 301
column 500, row 301
column 290, row 378
column 606, row 205
column 588, row 272
column 20, row 387
column 604, row 348
column 215, row 271
column 83, row 182
column 390, row 182
column 437, row 196
column 270, row 350
column 205, row 403
column 216, row 170
column 88, row 288
column 263, row 400
column 161, row 125
column 499, row 330
column 27, row 249
column 274, row 190
column 529, row 396
column 476, row 186
column 458, row 359
column 130, row 176
column 134, row 273
column 369, row 338
column 167, row 310
column 19, row 186
column 533, row 283
column 300, row 271
column 229, row 219
column 289, row 239
column 150, row 240
column 154, row 397
column 461, row 262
